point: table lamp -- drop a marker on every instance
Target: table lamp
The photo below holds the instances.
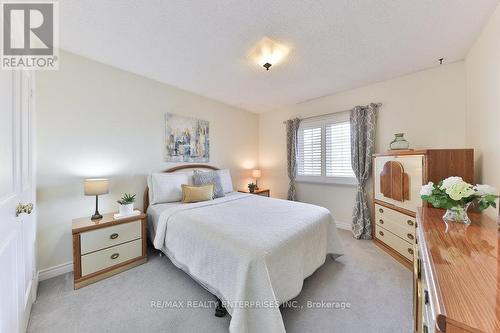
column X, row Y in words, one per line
column 96, row 187
column 256, row 174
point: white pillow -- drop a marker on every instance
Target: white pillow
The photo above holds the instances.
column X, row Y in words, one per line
column 166, row 187
column 225, row 179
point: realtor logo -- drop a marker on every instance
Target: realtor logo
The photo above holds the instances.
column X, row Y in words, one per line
column 30, row 35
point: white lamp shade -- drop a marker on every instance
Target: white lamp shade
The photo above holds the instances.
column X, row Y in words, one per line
column 256, row 173
column 96, row 186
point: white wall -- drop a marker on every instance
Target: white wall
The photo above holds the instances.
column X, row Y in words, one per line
column 428, row 106
column 483, row 102
column 97, row 121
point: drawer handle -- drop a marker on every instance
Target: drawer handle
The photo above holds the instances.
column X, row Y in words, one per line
column 380, row 210
column 114, row 236
column 410, row 236
column 410, row 222
column 115, row 255
column 381, row 233
column 381, row 221
column 410, row 251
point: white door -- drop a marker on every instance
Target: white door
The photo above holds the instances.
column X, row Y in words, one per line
column 17, row 232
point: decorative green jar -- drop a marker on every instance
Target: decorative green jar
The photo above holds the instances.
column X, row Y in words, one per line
column 399, row 142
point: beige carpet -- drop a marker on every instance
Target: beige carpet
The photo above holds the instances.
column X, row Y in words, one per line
column 378, row 291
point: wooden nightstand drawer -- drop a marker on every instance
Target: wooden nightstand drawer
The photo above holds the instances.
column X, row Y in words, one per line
column 94, row 240
column 99, row 260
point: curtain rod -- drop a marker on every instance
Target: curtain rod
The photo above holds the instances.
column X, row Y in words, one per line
column 327, row 114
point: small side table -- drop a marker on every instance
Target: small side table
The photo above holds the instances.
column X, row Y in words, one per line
column 105, row 247
column 265, row 192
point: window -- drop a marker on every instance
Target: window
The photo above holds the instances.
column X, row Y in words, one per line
column 309, row 151
column 338, row 150
column 324, row 150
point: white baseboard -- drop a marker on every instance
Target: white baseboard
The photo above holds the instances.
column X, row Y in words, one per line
column 54, row 271
column 31, row 298
column 343, row 225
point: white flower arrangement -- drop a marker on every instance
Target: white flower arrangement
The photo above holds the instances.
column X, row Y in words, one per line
column 450, row 181
column 454, row 192
column 485, row 189
column 427, row 189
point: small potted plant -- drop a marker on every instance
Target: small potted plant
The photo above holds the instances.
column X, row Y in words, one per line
column 126, row 204
column 252, row 187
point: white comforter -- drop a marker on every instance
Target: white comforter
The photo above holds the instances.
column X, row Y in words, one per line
column 248, row 248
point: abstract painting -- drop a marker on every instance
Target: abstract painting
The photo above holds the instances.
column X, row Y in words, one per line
column 186, row 139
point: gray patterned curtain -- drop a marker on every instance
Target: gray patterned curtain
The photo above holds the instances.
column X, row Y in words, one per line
column 363, row 121
column 292, row 128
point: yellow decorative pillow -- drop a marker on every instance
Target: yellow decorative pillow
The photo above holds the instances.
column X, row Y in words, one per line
column 196, row 193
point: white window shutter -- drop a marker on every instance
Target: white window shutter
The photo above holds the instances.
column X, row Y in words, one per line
column 309, row 151
column 338, row 150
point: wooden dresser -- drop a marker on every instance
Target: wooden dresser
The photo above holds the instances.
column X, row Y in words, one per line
column 398, row 177
column 456, row 274
column 105, row 247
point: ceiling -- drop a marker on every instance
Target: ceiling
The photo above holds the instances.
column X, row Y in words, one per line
column 202, row 46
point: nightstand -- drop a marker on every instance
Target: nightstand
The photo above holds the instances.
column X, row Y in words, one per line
column 264, row 192
column 105, row 247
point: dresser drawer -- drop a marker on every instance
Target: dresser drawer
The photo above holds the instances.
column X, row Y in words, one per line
column 99, row 260
column 399, row 224
column 393, row 241
column 91, row 241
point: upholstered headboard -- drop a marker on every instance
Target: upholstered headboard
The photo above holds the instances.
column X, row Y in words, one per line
column 175, row 169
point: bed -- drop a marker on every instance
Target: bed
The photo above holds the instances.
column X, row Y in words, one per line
column 252, row 252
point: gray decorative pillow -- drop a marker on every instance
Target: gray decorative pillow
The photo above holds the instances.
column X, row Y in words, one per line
column 210, row 177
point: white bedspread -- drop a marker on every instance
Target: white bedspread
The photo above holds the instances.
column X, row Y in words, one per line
column 252, row 252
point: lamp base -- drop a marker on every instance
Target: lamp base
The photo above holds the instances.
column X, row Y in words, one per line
column 96, row 215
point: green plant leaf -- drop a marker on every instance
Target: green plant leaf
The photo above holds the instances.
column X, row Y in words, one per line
column 127, row 199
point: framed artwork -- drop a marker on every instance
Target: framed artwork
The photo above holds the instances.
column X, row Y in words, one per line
column 186, row 139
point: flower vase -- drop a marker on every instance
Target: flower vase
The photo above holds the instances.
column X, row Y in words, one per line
column 458, row 214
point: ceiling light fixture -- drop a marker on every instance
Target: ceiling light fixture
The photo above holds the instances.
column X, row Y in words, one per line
column 268, row 53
